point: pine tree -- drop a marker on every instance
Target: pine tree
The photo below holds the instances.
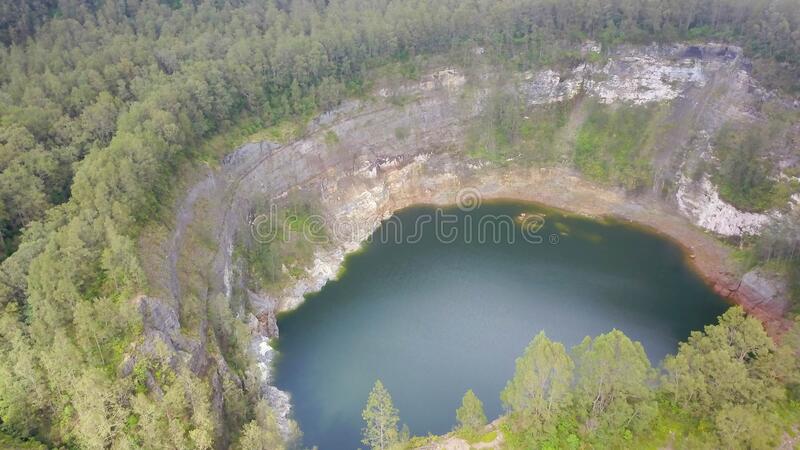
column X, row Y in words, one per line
column 732, row 363
column 541, row 384
column 613, row 390
column 381, row 419
column 470, row 415
column 261, row 433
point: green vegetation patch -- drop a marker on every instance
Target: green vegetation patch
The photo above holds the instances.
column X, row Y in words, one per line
column 483, row 438
column 10, row 443
column 252, row 129
column 331, row 138
column 98, row 111
column 745, row 176
column 287, row 238
column 613, row 144
column 508, row 129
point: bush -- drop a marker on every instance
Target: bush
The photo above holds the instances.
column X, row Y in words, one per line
column 612, row 145
column 744, row 176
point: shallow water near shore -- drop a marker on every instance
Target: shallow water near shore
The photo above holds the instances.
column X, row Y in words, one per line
column 444, row 300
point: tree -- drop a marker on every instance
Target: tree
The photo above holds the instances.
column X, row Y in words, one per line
column 746, row 427
column 108, row 99
column 788, row 359
column 470, row 415
column 381, row 419
column 745, row 175
column 98, row 121
column 612, row 391
column 261, row 433
column 733, row 362
column 23, row 395
column 780, row 241
column 19, row 20
column 99, row 413
column 540, row 388
column 180, row 418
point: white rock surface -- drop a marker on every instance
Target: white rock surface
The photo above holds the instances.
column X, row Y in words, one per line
column 645, row 79
column 637, row 77
column 703, row 205
column 546, row 86
column 279, row 400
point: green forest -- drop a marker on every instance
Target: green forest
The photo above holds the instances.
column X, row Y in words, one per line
column 103, row 101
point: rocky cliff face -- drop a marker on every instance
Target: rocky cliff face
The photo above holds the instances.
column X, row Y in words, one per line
column 706, row 86
column 372, row 169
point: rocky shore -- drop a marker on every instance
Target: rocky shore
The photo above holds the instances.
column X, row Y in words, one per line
column 387, row 157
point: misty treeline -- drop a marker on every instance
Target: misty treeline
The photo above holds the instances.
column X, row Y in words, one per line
column 102, row 101
column 728, row 386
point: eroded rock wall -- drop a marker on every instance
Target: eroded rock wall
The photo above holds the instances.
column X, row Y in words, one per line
column 388, row 155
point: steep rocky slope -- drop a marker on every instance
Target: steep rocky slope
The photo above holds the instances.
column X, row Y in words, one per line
column 406, row 144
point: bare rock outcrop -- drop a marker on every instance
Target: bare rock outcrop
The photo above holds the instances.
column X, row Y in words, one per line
column 764, row 291
column 162, row 325
column 388, row 156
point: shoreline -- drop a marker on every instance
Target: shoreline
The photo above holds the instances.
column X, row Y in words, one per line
column 706, row 254
column 374, row 191
column 387, row 157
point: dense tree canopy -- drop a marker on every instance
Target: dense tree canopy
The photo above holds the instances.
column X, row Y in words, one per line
column 731, row 363
column 192, row 67
column 723, row 389
column 101, row 101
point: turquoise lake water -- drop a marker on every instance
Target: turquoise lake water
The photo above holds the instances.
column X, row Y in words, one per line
column 442, row 308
